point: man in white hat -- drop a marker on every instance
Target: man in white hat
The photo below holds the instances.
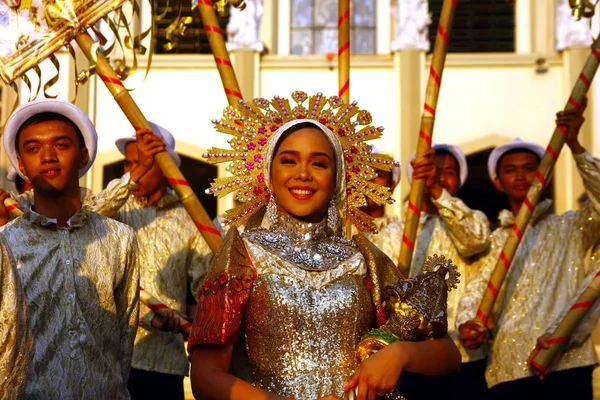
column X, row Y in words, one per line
column 447, row 226
column 79, row 270
column 389, row 179
column 172, row 252
column 545, row 275
column 16, row 345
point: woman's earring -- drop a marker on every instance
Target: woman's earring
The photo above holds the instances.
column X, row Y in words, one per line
column 271, row 213
column 332, row 215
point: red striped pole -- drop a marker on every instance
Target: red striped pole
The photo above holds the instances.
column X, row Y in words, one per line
column 165, row 162
column 546, row 165
column 155, row 305
column 344, row 50
column 12, row 207
column 561, row 336
column 219, row 50
column 344, row 65
column 426, row 132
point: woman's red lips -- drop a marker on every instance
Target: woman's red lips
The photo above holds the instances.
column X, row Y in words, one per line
column 301, row 192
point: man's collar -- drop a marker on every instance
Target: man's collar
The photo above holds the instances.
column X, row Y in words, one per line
column 26, row 203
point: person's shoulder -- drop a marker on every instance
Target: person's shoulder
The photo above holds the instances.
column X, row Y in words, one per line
column 112, row 225
column 17, row 227
column 11, row 225
column 394, row 226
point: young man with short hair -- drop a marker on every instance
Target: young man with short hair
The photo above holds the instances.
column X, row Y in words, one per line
column 79, row 270
column 448, row 227
column 546, row 273
column 172, row 253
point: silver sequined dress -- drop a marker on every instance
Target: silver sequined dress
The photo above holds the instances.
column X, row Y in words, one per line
column 305, row 299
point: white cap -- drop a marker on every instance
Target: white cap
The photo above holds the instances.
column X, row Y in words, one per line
column 61, row 107
column 516, row 144
column 456, row 152
column 396, row 171
column 168, row 139
column 11, row 174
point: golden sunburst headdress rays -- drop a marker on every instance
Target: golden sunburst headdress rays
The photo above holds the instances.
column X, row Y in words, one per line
column 256, row 127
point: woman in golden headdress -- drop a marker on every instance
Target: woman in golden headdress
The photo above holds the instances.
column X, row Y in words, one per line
column 300, row 295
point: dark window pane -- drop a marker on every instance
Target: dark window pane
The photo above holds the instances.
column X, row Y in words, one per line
column 302, row 42
column 364, row 13
column 479, row 26
column 321, row 18
column 302, row 13
column 326, row 13
column 363, row 41
column 326, row 41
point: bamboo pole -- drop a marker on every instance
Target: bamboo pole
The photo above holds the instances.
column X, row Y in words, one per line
column 219, row 50
column 426, row 132
column 560, row 337
column 164, row 160
column 12, row 207
column 344, row 50
column 533, row 195
column 155, row 305
column 344, row 65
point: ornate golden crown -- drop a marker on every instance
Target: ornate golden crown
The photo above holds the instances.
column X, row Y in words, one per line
column 252, row 124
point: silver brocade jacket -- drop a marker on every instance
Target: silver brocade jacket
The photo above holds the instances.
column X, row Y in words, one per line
column 458, row 233
column 303, row 299
column 16, row 345
column 546, row 276
column 81, row 284
column 172, row 253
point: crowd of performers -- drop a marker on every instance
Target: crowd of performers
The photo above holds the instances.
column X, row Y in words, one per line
column 284, row 302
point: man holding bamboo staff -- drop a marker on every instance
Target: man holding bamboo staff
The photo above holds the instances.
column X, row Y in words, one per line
column 544, row 276
column 79, row 270
column 172, row 253
column 447, row 226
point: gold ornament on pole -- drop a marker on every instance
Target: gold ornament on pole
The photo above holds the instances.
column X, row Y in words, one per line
column 582, row 8
column 42, row 29
column 426, row 132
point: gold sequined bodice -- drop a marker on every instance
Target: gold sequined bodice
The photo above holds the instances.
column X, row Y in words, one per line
column 302, row 325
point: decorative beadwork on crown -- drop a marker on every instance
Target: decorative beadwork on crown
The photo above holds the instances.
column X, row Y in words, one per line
column 252, row 124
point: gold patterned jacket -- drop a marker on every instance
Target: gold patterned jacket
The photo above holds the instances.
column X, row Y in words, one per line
column 172, row 252
column 81, row 282
column 16, row 345
column 546, row 275
column 302, row 298
column 458, row 233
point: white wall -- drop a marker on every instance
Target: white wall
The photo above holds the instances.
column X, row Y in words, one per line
column 184, row 101
column 370, row 86
column 497, row 101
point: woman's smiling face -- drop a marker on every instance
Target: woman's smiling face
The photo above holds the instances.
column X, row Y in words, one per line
column 303, row 174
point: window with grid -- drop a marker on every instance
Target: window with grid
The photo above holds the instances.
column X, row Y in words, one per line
column 479, row 26
column 314, row 27
column 194, row 41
